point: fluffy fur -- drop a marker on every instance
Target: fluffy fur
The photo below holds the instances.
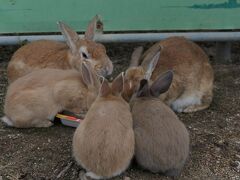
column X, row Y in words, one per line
column 52, row 54
column 104, row 143
column 33, row 100
column 161, row 139
column 7, row 121
column 192, row 85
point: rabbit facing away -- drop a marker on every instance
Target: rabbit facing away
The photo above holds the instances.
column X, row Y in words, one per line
column 161, row 139
column 34, row 99
column 192, row 86
column 104, row 142
column 53, row 54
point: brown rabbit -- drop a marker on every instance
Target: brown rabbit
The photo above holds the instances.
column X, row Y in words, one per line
column 161, row 139
column 192, row 85
column 134, row 74
column 34, row 99
column 52, row 54
column 104, row 142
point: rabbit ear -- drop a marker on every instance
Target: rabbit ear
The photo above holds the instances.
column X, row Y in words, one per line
column 149, row 53
column 143, row 90
column 162, row 84
column 87, row 74
column 92, row 27
column 70, row 36
column 118, row 84
column 151, row 66
column 105, row 90
column 136, row 56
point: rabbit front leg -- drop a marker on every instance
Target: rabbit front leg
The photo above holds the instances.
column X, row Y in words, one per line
column 42, row 123
column 93, row 175
column 195, row 108
column 173, row 172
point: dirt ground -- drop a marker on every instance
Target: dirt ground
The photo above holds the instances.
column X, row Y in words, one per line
column 215, row 132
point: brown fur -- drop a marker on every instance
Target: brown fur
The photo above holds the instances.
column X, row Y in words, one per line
column 161, row 139
column 133, row 75
column 193, row 74
column 52, row 54
column 104, row 143
column 34, row 99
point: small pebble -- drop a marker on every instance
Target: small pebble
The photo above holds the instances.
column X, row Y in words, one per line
column 235, row 164
column 238, row 164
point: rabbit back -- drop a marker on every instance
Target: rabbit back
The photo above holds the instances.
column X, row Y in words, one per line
column 193, row 75
column 104, row 142
column 184, row 57
column 40, row 95
column 162, row 141
column 37, row 55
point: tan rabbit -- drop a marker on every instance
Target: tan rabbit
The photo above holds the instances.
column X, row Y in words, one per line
column 192, row 85
column 161, row 139
column 33, row 100
column 134, row 74
column 104, row 142
column 52, row 54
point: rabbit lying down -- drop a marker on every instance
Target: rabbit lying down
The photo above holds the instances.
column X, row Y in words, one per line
column 191, row 89
column 34, row 99
column 53, row 54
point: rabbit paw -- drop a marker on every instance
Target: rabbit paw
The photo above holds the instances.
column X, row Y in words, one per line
column 173, row 172
column 194, row 108
column 93, row 176
column 45, row 123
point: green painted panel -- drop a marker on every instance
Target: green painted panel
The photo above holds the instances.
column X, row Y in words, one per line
column 17, row 16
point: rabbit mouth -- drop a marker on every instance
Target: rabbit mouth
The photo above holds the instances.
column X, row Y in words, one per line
column 102, row 72
column 109, row 68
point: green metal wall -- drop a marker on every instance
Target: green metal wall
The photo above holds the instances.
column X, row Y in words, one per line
column 17, row 16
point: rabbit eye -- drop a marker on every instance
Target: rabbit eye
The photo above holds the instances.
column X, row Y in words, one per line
column 84, row 55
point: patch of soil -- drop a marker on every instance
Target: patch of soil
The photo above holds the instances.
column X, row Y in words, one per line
column 215, row 133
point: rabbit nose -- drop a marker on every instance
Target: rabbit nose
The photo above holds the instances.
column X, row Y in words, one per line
column 104, row 72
